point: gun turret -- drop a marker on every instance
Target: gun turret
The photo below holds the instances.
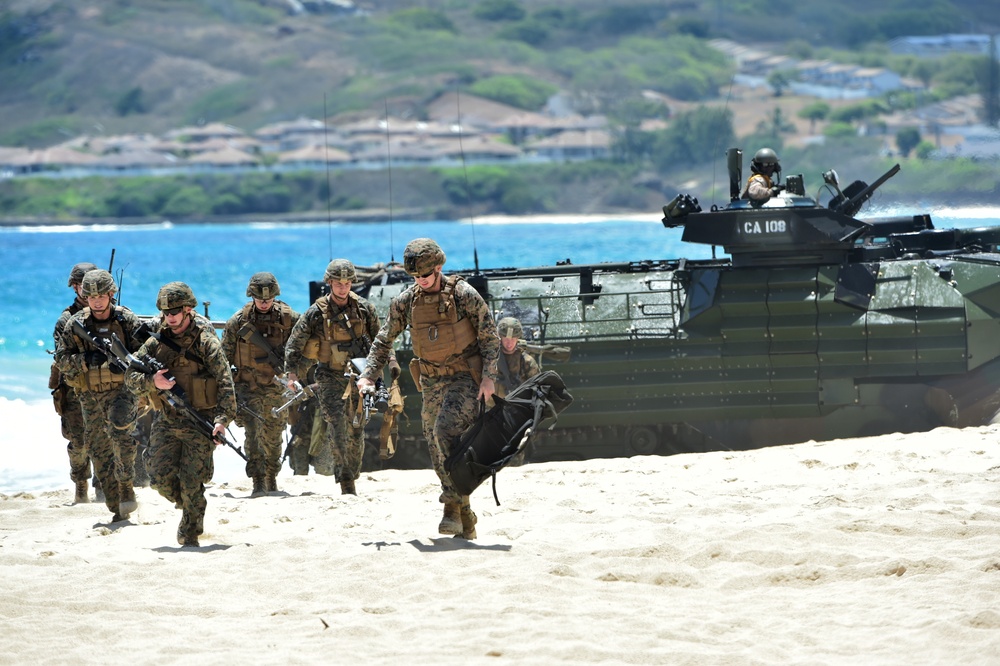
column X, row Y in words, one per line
column 854, row 196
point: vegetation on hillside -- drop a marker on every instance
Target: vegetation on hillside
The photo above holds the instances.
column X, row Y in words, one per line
column 120, row 66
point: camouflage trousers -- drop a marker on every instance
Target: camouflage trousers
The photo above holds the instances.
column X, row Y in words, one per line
column 73, row 430
column 344, row 446
column 263, row 438
column 109, row 417
column 449, row 407
column 308, row 419
column 180, row 464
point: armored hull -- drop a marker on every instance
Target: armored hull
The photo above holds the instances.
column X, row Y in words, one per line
column 819, row 325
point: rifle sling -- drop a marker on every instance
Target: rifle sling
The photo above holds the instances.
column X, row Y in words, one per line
column 187, row 353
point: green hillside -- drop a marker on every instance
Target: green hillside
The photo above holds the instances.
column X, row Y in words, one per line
column 69, row 68
column 116, row 66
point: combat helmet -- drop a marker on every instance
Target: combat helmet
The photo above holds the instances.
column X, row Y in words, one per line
column 174, row 295
column 421, row 256
column 78, row 271
column 509, row 327
column 97, row 282
column 340, row 269
column 763, row 158
column 264, row 286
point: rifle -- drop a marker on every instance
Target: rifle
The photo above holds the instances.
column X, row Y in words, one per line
column 293, row 397
column 554, row 352
column 357, row 347
column 249, row 333
column 122, row 359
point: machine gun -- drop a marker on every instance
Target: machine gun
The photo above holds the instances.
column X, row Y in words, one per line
column 849, row 201
column 123, row 360
column 376, row 400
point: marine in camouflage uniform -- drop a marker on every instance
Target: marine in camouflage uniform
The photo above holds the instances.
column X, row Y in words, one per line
column 65, row 400
column 180, row 455
column 514, row 365
column 455, row 345
column 109, row 408
column 254, row 342
column 335, row 329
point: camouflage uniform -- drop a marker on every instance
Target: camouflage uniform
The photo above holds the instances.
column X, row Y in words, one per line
column 254, row 375
column 517, row 367
column 109, row 408
column 333, row 335
column 180, row 455
column 448, row 388
column 306, row 422
column 301, row 437
column 67, row 404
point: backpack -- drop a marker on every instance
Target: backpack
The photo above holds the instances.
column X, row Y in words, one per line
column 501, row 432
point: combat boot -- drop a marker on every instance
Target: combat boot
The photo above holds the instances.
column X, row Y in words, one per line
column 258, row 487
column 127, row 504
column 187, row 533
column 469, row 520
column 81, row 493
column 271, row 483
column 347, row 487
column 185, row 539
column 451, row 523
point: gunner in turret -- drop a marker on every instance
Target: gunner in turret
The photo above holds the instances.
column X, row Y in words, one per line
column 763, row 182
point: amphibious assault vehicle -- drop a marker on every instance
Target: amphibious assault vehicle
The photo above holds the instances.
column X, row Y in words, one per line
column 819, row 325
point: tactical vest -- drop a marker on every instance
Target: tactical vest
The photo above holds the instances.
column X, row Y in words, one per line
column 251, row 361
column 443, row 343
column 198, row 384
column 746, row 188
column 99, row 379
column 337, row 330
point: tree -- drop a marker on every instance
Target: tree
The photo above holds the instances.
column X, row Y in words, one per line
column 813, row 112
column 907, row 139
column 923, row 150
column 695, row 137
column 499, row 10
column 130, row 102
column 779, row 79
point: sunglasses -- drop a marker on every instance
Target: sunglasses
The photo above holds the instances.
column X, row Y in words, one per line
column 173, row 311
column 426, row 275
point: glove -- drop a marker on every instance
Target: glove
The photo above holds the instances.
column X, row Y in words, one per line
column 94, row 358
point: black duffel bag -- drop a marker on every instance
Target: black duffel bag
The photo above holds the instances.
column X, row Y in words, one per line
column 501, row 432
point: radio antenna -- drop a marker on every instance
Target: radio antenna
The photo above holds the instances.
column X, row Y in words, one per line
column 465, row 173
column 388, row 166
column 725, row 108
column 329, row 189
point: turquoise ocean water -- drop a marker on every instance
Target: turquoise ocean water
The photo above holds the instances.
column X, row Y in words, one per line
column 217, row 260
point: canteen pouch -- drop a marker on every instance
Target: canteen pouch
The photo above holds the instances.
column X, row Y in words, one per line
column 415, row 372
